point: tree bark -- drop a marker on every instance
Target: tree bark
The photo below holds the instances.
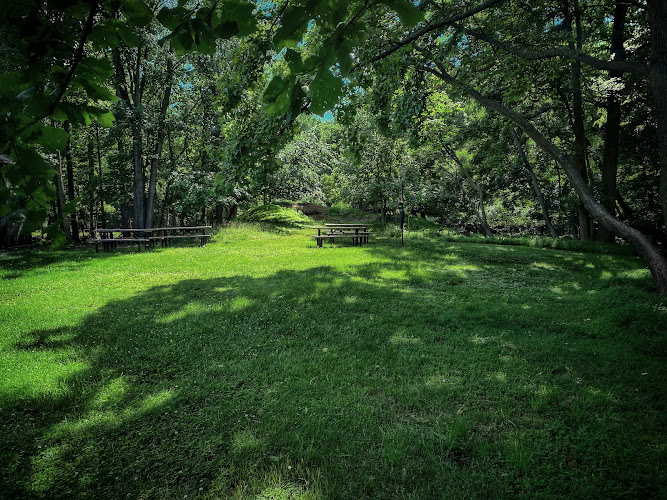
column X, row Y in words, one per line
column 132, row 99
column 138, row 220
column 159, row 142
column 655, row 260
column 91, row 180
column 613, row 125
column 657, row 10
column 60, row 198
column 481, row 210
column 578, row 112
column 536, row 187
column 99, row 167
column 69, row 168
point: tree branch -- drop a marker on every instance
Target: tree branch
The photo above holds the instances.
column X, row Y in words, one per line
column 652, row 256
column 620, row 66
column 434, row 26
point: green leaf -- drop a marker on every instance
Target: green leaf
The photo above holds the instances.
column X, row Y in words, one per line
column 52, row 139
column 97, row 92
column 105, row 119
column 127, row 35
column 276, row 87
column 98, row 68
column 406, row 10
column 278, row 95
column 240, row 12
column 326, row 90
column 226, row 30
column 293, row 58
column 204, row 37
column 294, row 24
column 136, row 12
column 31, row 163
column 55, row 233
column 297, row 99
column 173, row 18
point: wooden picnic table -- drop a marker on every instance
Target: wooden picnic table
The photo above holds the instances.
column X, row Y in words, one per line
column 341, row 227
column 357, row 232
column 109, row 241
column 162, row 234
column 148, row 236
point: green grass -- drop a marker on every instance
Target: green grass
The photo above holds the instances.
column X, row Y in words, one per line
column 261, row 366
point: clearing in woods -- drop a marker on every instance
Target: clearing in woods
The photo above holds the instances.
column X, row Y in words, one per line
column 261, row 366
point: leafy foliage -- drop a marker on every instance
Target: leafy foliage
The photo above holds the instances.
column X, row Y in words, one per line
column 275, row 214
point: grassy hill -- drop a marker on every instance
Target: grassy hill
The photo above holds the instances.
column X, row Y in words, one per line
column 261, row 366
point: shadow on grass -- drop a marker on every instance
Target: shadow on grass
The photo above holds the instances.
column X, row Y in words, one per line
column 15, row 264
column 332, row 385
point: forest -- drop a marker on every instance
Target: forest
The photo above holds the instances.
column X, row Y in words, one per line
column 498, row 117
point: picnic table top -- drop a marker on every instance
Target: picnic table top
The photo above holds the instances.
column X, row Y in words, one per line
column 146, row 230
column 180, row 228
column 346, row 225
column 124, row 230
column 342, row 226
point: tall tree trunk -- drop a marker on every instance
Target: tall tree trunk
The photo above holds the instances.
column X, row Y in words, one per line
column 655, row 260
column 132, row 99
column 103, row 216
column 71, row 195
column 578, row 111
column 613, row 125
column 165, row 204
column 159, row 142
column 536, row 186
column 657, row 10
column 480, row 209
column 91, row 181
column 137, row 149
column 60, row 198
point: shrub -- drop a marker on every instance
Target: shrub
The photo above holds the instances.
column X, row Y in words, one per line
column 275, row 214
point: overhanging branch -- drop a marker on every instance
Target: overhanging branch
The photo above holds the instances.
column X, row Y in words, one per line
column 618, row 66
column 440, row 23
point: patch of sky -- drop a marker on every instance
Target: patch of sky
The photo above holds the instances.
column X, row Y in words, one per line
column 328, row 117
column 442, row 39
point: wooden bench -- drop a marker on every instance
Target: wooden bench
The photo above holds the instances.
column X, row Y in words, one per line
column 165, row 234
column 109, row 242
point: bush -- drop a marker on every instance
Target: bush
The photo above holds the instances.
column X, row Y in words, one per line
column 275, row 214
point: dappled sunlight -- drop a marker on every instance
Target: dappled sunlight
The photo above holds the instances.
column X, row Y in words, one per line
column 403, row 338
column 476, row 339
column 110, row 394
column 276, row 383
column 245, row 441
column 544, row 265
column 435, row 381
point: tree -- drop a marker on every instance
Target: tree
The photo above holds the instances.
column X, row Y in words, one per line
column 447, row 43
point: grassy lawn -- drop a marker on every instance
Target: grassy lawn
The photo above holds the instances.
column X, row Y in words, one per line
column 261, row 366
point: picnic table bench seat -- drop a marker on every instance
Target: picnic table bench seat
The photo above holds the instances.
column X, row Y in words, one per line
column 108, row 243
